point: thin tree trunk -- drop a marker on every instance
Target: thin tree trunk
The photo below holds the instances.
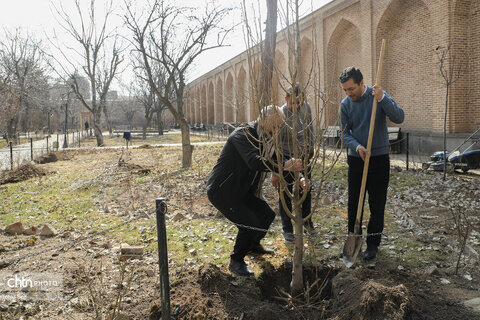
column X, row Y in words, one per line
column 187, row 148
column 445, row 136
column 159, row 123
column 146, row 124
column 296, row 286
column 268, row 56
column 97, row 127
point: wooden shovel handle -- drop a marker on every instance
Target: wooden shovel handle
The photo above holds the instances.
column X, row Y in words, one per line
column 369, row 143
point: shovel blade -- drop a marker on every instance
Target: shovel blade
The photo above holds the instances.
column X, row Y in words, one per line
column 352, row 247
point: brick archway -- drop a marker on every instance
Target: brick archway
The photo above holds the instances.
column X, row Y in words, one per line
column 219, row 102
column 344, row 50
column 410, row 69
column 229, row 101
column 242, row 95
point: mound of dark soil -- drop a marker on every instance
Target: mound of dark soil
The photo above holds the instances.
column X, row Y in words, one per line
column 22, row 173
column 51, row 157
column 209, row 293
column 369, row 300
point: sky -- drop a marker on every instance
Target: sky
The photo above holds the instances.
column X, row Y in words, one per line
column 38, row 18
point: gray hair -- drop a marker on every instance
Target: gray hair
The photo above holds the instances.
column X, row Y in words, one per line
column 270, row 113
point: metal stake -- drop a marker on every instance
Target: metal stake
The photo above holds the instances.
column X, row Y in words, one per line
column 161, row 210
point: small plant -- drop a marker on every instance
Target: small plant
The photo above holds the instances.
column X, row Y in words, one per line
column 105, row 302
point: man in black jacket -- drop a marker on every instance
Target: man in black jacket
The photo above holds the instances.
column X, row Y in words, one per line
column 235, row 179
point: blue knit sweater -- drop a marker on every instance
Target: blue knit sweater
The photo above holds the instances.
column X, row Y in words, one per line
column 354, row 121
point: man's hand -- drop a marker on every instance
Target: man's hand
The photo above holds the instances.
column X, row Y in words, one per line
column 275, row 180
column 305, row 186
column 293, row 165
column 377, row 92
column 362, row 151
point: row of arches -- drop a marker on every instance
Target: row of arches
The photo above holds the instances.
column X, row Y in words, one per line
column 413, row 29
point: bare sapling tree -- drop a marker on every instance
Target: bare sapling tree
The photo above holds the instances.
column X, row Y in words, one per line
column 148, row 100
column 97, row 57
column 23, row 67
column 463, row 226
column 302, row 135
column 451, row 71
column 171, row 38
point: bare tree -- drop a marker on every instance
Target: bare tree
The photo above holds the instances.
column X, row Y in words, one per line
column 171, row 38
column 9, row 108
column 268, row 55
column 451, row 71
column 98, row 57
column 321, row 160
column 23, row 68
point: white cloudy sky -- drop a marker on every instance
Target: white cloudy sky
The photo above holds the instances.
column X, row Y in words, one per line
column 37, row 17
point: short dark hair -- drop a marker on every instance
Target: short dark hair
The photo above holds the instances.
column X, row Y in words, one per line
column 351, row 73
column 296, row 89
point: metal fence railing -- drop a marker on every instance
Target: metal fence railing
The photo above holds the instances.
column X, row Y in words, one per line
column 12, row 156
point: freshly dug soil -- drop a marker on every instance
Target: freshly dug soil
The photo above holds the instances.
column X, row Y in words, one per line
column 21, row 173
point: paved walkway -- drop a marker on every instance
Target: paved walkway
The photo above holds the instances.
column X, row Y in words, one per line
column 23, row 152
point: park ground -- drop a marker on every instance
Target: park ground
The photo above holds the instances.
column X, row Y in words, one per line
column 98, row 200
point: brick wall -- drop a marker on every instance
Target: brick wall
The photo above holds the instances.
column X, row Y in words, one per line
column 349, row 32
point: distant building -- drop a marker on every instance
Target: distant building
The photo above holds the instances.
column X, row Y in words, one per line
column 349, row 32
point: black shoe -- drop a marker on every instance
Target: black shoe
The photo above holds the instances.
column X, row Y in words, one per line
column 239, row 268
column 259, row 249
column 370, row 253
column 310, row 230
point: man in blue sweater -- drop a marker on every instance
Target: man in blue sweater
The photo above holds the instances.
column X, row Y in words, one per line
column 355, row 112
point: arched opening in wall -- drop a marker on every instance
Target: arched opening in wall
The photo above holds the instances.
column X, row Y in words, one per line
column 219, row 102
column 188, row 108
column 410, row 73
column 278, row 82
column 344, row 50
column 197, row 106
column 229, row 102
column 465, row 94
column 307, row 73
column 203, row 105
column 241, row 95
column 255, row 90
column 210, row 104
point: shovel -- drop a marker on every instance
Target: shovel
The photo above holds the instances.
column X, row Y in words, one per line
column 354, row 241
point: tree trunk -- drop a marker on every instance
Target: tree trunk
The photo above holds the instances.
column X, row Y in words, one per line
column 296, row 286
column 146, row 124
column 268, row 56
column 445, row 136
column 98, row 129
column 159, row 123
column 107, row 119
column 187, row 148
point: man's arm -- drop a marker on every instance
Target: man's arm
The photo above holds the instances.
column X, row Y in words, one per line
column 391, row 109
column 247, row 147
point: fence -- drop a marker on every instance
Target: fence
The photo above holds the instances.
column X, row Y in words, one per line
column 13, row 156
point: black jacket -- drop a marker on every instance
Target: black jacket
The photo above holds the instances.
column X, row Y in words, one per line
column 239, row 166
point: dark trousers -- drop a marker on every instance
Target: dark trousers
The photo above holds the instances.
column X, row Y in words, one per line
column 306, row 205
column 249, row 211
column 377, row 185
